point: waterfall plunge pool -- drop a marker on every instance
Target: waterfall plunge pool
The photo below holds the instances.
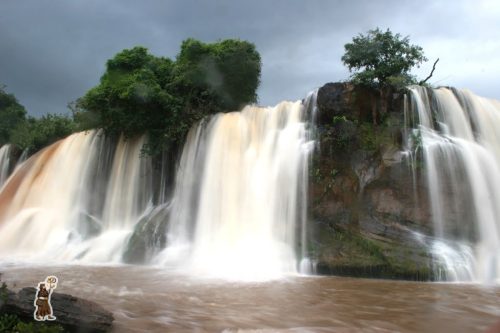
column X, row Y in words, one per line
column 149, row 299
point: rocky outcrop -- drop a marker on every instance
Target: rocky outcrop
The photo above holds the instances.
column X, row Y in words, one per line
column 369, row 209
column 73, row 314
column 149, row 236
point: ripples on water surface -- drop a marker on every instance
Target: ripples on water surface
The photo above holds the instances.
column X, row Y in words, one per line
column 145, row 299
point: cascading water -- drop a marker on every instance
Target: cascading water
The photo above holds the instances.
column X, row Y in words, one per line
column 238, row 207
column 51, row 207
column 239, row 215
column 460, row 139
column 23, row 157
column 5, row 161
column 9, row 161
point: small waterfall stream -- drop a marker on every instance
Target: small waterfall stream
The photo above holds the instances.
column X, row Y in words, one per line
column 5, row 163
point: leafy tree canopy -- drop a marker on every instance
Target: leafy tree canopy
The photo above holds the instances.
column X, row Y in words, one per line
column 27, row 132
column 141, row 93
column 130, row 97
column 36, row 133
column 229, row 69
column 382, row 58
column 11, row 114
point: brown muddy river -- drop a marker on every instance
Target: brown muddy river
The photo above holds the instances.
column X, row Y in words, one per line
column 146, row 299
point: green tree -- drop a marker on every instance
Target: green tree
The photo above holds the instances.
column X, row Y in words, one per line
column 382, row 58
column 229, row 71
column 11, row 115
column 34, row 134
column 140, row 93
column 29, row 132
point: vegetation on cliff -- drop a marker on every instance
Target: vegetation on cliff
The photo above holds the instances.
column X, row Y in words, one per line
column 381, row 58
column 28, row 132
column 36, row 133
column 141, row 93
column 360, row 207
column 12, row 113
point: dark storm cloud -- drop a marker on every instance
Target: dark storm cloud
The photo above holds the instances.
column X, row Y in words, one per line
column 52, row 52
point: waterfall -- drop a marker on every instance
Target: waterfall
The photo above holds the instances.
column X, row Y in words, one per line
column 23, row 157
column 238, row 206
column 460, row 139
column 5, row 163
column 240, row 194
column 52, row 206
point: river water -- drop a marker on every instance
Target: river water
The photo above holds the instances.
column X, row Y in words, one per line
column 149, row 299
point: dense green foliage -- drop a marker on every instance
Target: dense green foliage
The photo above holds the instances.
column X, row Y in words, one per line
column 129, row 97
column 11, row 115
column 35, row 133
column 28, row 132
column 11, row 323
column 379, row 58
column 141, row 93
column 229, row 70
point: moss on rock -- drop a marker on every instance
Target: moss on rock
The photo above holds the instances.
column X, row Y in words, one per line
column 339, row 251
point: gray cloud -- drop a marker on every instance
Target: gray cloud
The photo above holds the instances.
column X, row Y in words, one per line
column 52, row 52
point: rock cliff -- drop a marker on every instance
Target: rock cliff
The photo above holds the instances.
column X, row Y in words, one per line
column 369, row 207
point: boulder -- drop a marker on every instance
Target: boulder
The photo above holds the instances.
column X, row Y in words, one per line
column 149, row 236
column 72, row 313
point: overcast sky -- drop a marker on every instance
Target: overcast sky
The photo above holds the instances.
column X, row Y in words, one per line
column 53, row 51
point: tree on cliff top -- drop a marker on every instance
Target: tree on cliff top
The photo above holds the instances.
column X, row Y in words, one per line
column 140, row 93
column 382, row 58
column 229, row 69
